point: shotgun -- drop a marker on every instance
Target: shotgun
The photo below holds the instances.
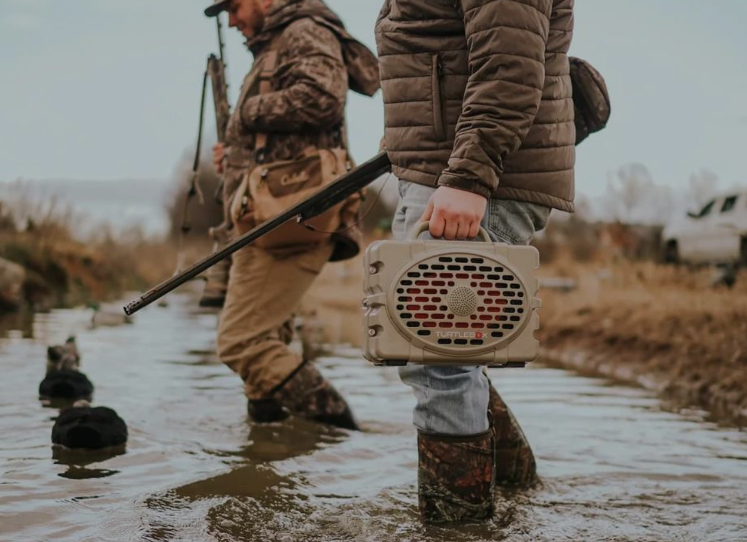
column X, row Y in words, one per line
column 322, row 200
column 217, row 73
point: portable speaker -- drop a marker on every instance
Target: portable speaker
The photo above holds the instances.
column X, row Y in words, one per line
column 450, row 302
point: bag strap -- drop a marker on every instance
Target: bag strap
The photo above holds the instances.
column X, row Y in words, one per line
column 265, row 87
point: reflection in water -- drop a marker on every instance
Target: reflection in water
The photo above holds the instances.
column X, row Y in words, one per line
column 258, row 482
column 279, row 441
column 614, row 465
column 66, row 456
column 78, row 461
column 82, row 473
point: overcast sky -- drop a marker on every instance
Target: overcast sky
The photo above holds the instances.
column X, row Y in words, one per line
column 109, row 89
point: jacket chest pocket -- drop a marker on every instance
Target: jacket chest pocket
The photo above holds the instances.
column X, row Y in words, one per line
column 439, row 103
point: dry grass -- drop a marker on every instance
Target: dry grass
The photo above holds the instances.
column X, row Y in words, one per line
column 65, row 267
column 667, row 324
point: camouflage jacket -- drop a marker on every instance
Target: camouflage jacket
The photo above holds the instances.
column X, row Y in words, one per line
column 317, row 62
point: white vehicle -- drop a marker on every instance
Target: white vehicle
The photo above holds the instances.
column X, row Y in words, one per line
column 717, row 234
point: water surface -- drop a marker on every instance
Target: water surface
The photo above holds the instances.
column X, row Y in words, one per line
column 615, row 465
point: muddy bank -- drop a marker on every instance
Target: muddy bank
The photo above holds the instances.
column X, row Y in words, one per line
column 662, row 328
column 39, row 271
column 12, row 278
column 51, row 256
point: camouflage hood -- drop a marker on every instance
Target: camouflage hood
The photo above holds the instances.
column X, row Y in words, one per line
column 361, row 63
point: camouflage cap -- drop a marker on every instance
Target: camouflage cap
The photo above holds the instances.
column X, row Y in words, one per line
column 217, row 7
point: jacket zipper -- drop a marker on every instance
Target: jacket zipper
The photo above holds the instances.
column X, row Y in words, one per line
column 438, row 105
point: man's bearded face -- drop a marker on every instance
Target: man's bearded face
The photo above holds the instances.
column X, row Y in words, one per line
column 248, row 16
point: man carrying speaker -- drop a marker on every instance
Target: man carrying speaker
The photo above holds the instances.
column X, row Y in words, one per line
column 292, row 104
column 480, row 131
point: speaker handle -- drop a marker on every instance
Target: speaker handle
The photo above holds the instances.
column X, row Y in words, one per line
column 423, row 226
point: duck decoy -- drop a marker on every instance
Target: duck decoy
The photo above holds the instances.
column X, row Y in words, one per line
column 63, row 357
column 108, row 315
column 91, row 428
column 63, row 379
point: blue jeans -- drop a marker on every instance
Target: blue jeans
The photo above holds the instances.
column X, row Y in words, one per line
column 454, row 400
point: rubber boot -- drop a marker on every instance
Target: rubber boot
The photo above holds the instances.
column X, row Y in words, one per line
column 216, row 286
column 455, row 477
column 306, row 393
column 514, row 461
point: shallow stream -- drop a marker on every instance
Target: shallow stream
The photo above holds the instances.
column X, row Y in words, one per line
column 615, row 464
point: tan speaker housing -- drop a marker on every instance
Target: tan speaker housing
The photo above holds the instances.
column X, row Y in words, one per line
column 450, row 303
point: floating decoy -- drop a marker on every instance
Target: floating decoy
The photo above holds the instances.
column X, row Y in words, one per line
column 108, row 315
column 63, row 379
column 63, row 357
column 83, row 427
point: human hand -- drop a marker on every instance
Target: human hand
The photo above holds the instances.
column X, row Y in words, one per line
column 454, row 214
column 219, row 153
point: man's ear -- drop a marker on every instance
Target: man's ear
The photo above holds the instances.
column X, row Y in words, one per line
column 266, row 4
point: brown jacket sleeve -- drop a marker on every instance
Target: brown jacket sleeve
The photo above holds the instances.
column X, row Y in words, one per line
column 507, row 40
column 313, row 82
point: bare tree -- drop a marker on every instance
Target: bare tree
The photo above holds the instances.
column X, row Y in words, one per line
column 627, row 190
column 662, row 205
column 584, row 209
column 701, row 187
column 632, row 196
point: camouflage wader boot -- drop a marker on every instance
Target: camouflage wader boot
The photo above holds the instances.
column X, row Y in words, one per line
column 514, row 460
column 307, row 394
column 455, row 477
column 216, row 286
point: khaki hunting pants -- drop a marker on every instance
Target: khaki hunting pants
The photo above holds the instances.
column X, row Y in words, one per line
column 256, row 322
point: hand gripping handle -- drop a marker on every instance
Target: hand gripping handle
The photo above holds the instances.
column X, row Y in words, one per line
column 423, row 226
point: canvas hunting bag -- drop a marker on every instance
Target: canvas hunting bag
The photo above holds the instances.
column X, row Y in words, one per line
column 591, row 100
column 271, row 188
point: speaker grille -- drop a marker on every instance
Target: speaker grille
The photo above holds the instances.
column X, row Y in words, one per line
column 460, row 302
